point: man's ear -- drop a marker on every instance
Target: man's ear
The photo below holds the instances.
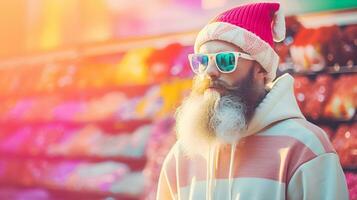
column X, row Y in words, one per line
column 259, row 71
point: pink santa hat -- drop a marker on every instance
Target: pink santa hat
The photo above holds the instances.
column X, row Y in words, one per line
column 252, row 27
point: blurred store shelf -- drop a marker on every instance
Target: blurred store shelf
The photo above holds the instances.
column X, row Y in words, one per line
column 109, row 126
column 42, row 191
column 135, row 164
column 333, row 70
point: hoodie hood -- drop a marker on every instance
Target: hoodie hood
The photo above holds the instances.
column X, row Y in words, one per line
column 279, row 104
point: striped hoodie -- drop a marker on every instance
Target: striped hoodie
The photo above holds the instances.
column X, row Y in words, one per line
column 282, row 156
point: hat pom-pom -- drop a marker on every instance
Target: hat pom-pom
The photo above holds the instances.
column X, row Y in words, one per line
column 279, row 26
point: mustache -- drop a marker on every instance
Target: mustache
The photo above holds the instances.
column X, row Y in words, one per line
column 222, row 85
column 203, row 82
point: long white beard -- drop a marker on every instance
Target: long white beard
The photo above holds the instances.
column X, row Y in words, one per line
column 229, row 119
column 203, row 121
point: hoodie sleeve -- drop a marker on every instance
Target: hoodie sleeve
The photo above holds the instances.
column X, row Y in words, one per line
column 167, row 184
column 321, row 178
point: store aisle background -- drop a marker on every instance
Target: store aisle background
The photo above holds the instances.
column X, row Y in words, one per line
column 88, row 89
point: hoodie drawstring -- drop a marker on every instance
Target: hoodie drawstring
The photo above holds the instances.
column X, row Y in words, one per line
column 177, row 173
column 208, row 172
column 192, row 189
column 231, row 164
column 211, row 169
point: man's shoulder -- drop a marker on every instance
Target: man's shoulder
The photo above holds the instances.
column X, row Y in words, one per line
column 303, row 132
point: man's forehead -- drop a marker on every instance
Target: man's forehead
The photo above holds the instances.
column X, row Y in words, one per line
column 215, row 46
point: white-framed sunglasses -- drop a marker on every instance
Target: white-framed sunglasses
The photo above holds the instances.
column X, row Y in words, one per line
column 226, row 62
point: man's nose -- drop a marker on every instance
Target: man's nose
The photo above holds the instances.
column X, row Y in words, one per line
column 212, row 70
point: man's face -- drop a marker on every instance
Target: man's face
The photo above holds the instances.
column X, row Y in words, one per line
column 221, row 104
column 230, row 80
column 243, row 82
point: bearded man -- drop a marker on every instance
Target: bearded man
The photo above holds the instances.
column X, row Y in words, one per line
column 241, row 134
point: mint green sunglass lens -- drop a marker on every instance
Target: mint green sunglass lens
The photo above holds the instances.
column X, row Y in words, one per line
column 225, row 61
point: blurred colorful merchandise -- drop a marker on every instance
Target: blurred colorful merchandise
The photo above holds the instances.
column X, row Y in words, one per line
column 133, row 68
column 172, row 94
column 141, row 66
column 302, row 85
column 318, row 95
column 43, row 138
column 42, row 110
column 293, row 26
column 20, row 109
column 92, row 141
column 6, row 79
column 15, row 142
column 351, row 179
column 62, row 140
column 67, row 111
column 25, row 79
column 315, row 49
column 124, row 144
column 330, row 39
column 343, row 102
column 6, row 106
column 32, row 109
column 349, row 45
column 19, row 80
column 155, row 101
column 150, row 104
column 54, row 76
column 164, row 100
column 28, row 193
column 181, row 67
column 327, row 97
column 141, row 107
column 52, row 35
column 306, row 51
column 345, row 143
column 79, row 143
column 161, row 140
column 161, row 61
column 72, row 175
column 97, row 176
column 95, row 111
